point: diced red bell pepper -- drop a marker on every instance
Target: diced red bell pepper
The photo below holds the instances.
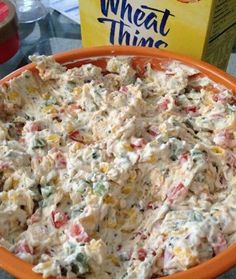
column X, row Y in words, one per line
column 196, row 76
column 224, row 138
column 19, row 128
column 59, row 218
column 35, row 218
column 153, row 131
column 176, row 102
column 76, row 230
column 119, row 247
column 167, row 256
column 74, row 107
column 4, row 165
column 215, row 98
column 138, row 142
column 142, row 253
column 60, row 161
column 176, row 191
column 150, row 205
column 224, row 99
column 183, row 158
column 143, row 236
column 124, row 89
column 231, row 159
column 79, row 233
column 191, row 109
column 76, row 136
column 38, row 159
column 163, row 105
column 197, row 87
column 22, row 140
column 220, row 244
column 232, row 101
column 23, row 247
column 210, row 87
column 33, row 127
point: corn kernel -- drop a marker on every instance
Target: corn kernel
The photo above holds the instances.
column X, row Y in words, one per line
column 126, row 190
column 53, row 138
column 90, row 219
column 152, row 159
column 163, row 129
column 78, row 145
column 45, row 96
column 77, row 90
column 127, row 147
column 108, row 199
column 49, row 109
column 13, row 95
column 46, row 264
column 94, row 235
column 207, row 100
column 104, row 167
column 149, row 79
column 139, row 194
column 115, row 260
column 177, row 250
column 111, row 224
column 126, row 230
column 133, row 176
column 182, row 253
column 217, row 150
column 7, row 173
column 32, row 90
column 13, row 198
column 4, row 196
column 14, row 182
column 69, row 127
column 132, row 212
column 55, row 180
column 179, row 232
column 122, row 203
column 114, row 68
column 234, row 180
column 114, row 129
column 95, row 245
column 120, row 223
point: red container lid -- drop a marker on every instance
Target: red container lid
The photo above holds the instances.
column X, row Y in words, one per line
column 9, row 39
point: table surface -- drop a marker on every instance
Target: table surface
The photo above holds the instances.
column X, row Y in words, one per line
column 56, row 33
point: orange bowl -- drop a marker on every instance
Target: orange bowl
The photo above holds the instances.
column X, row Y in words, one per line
column 141, row 56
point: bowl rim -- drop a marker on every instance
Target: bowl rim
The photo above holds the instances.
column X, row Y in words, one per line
column 208, row 269
column 213, row 72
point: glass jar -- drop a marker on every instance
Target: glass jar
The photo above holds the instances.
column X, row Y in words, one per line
column 9, row 38
column 30, row 10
